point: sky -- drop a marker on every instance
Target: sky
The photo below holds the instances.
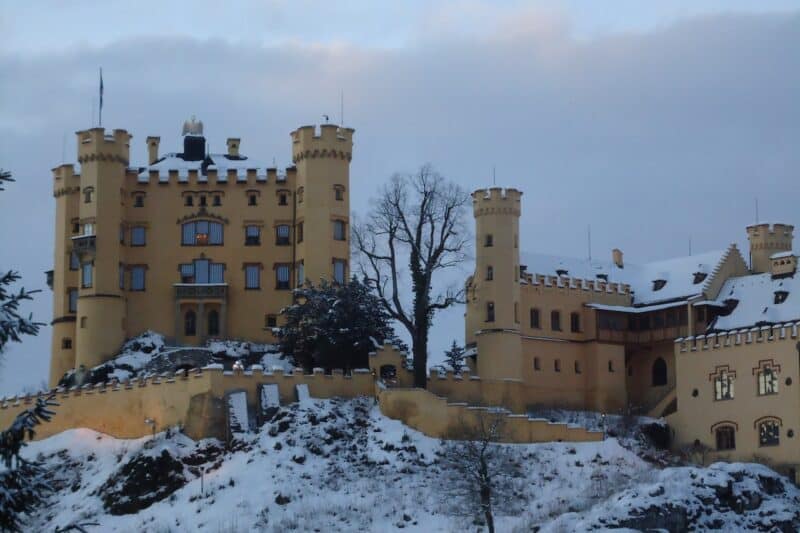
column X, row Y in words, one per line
column 654, row 123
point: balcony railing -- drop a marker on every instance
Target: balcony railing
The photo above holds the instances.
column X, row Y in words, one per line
column 84, row 244
column 201, row 291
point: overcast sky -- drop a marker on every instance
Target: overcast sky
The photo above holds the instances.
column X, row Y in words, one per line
column 653, row 122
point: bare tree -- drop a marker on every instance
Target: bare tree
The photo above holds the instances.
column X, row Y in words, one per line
column 478, row 472
column 419, row 221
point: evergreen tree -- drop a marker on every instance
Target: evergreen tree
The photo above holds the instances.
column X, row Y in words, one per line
column 334, row 326
column 454, row 357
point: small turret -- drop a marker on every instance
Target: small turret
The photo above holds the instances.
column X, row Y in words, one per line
column 765, row 240
column 152, row 149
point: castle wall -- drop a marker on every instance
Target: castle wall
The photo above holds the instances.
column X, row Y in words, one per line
column 744, row 352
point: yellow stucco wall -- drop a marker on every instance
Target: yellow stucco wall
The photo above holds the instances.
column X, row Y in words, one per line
column 698, row 413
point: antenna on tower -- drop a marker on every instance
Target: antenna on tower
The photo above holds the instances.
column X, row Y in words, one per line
column 93, row 100
column 756, row 209
column 589, row 240
column 64, row 147
column 494, row 176
column 341, row 108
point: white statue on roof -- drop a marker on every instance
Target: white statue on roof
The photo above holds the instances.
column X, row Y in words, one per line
column 193, row 127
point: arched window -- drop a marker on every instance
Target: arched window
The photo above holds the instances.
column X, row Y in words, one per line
column 213, row 323
column 190, row 324
column 659, row 372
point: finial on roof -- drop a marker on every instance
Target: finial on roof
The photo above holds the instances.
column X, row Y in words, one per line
column 193, row 127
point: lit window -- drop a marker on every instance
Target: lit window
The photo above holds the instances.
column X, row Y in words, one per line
column 769, row 433
column 138, row 236
column 202, row 233
column 137, row 278
column 339, row 270
column 252, row 276
column 338, row 230
column 282, row 276
column 282, row 234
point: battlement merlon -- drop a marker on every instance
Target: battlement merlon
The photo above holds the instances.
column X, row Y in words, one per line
column 497, row 200
column 565, row 282
column 332, row 141
column 766, row 228
column 787, row 332
column 96, row 145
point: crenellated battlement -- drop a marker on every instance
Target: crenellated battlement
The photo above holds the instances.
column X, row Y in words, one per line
column 778, row 333
column 570, row 283
column 332, row 142
column 96, row 145
column 240, row 175
column 766, row 229
column 65, row 180
column 496, row 200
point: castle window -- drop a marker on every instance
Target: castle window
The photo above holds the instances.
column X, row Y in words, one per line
column 188, row 200
column 610, row 366
column 283, row 198
column 74, row 261
column 489, row 311
column 577, row 367
column 300, row 232
column 252, row 199
column 575, row 322
column 88, row 192
column 300, row 194
column 338, row 230
column 282, row 234
column 780, row 296
column 516, row 313
column 535, row 318
column 88, row 229
column 190, row 323
column 699, row 277
column 202, row 271
column 84, row 322
column 137, row 278
column 121, row 276
column 202, row 233
column 66, row 343
column 138, row 200
column 723, row 385
column 301, row 273
column 489, row 240
column 726, row 438
column 203, row 201
column 659, row 373
column 252, row 235
column 252, row 277
column 281, row 276
column 767, row 381
column 338, row 191
column 537, row 364
column 339, row 270
column 555, row 320
column 658, row 284
column 76, row 227
column 217, row 200
column 557, row 365
column 72, row 296
column 213, row 323
column 769, row 433
column 489, row 273
column 86, row 275
column 138, row 236
column 271, row 321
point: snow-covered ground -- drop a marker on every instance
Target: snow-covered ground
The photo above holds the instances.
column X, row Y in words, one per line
column 339, row 465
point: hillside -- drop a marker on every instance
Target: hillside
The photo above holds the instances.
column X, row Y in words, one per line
column 339, row 465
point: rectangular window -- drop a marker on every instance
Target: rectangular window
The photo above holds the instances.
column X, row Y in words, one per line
column 202, row 233
column 74, row 262
column 575, row 322
column 577, row 367
column 557, row 365
column 72, row 294
column 138, row 200
column 202, row 271
column 137, row 236
column 86, row 275
column 188, row 201
column 282, row 235
column 66, row 343
column 203, row 201
column 252, row 276
column 271, row 321
column 767, row 382
column 338, row 270
column 76, row 227
column 282, row 276
column 535, row 319
column 338, row 230
column 121, row 276
column 537, row 365
column 726, row 438
column 339, row 193
column 300, row 232
column 187, row 273
column 489, row 241
column 723, row 386
column 217, row 200
column 216, row 273
column 555, row 321
column 252, row 199
column 301, row 273
column 137, row 278
column 122, row 234
column 490, row 312
column 252, row 236
column 769, row 433
column 283, row 199
column 201, row 267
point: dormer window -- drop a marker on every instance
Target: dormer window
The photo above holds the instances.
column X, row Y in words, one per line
column 604, row 277
column 780, row 296
column 699, row 277
column 658, row 284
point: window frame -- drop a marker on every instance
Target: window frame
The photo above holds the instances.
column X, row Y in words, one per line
column 283, row 240
column 339, row 230
column 134, row 269
column 535, row 313
column 283, row 285
column 555, row 320
column 728, row 443
column 490, row 312
column 87, row 271
column 252, row 240
column 252, row 269
column 134, row 231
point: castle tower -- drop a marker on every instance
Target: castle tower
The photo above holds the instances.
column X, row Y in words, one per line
column 766, row 240
column 66, row 190
column 322, row 200
column 101, row 304
column 493, row 292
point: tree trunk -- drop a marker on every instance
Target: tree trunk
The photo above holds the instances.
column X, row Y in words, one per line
column 420, row 350
column 486, row 504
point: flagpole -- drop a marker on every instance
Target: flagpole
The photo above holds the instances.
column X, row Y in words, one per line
column 101, row 98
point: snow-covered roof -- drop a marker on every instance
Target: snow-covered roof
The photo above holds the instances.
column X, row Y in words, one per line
column 677, row 275
column 222, row 163
column 756, row 301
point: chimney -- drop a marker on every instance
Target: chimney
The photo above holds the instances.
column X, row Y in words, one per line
column 152, row 149
column 233, row 147
column 616, row 256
